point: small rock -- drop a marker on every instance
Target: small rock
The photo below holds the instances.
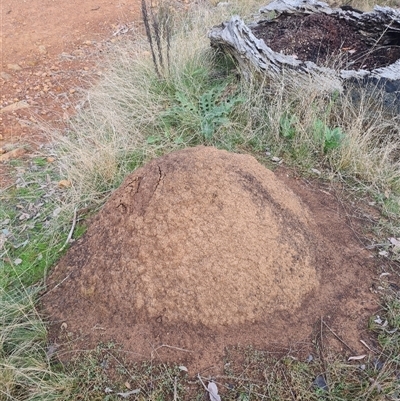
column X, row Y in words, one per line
column 315, row 171
column 42, row 49
column 50, row 159
column 320, row 382
column 276, row 159
column 5, row 76
column 64, row 184
column 22, row 104
column 14, row 67
column 13, row 154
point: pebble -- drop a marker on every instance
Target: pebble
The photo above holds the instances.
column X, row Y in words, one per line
column 14, row 67
column 42, row 49
column 22, row 104
column 13, row 154
column 64, row 184
column 5, row 76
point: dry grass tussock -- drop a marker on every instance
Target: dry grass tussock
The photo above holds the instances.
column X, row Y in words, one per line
column 109, row 136
column 357, row 139
column 122, row 124
column 25, row 369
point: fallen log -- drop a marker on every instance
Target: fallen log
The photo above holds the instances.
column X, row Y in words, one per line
column 369, row 56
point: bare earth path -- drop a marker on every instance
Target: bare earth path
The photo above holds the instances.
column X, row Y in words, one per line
column 48, row 51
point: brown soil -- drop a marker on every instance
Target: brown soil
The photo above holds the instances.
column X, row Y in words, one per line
column 202, row 249
column 325, row 40
column 50, row 50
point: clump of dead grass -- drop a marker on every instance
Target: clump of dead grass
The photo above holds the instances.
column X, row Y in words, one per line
column 156, row 100
column 331, row 131
column 110, row 135
column 26, row 372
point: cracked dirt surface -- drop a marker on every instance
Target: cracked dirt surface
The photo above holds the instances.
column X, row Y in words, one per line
column 209, row 250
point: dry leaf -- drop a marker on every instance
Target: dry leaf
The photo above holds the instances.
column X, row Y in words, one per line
column 357, row 358
column 394, row 241
column 51, row 350
column 213, row 392
column 128, row 393
column 321, row 383
column 128, row 385
column 183, row 368
column 64, row 184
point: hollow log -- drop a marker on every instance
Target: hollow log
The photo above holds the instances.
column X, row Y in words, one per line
column 380, row 26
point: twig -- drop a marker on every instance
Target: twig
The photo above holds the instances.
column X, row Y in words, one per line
column 175, row 389
column 342, row 341
column 172, row 347
column 149, row 36
column 201, row 381
column 66, row 278
column 155, row 350
column 156, row 28
column 367, row 346
column 70, row 232
column 288, row 384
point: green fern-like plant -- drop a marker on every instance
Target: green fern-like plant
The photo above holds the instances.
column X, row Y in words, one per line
column 205, row 114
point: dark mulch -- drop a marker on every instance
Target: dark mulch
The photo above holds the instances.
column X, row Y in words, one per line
column 325, row 40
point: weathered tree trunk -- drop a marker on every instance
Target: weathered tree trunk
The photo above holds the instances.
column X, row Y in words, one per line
column 382, row 26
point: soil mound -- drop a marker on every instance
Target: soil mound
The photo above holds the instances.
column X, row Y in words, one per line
column 200, row 236
column 202, row 248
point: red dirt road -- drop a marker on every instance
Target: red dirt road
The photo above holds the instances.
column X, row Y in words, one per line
column 48, row 50
column 57, row 25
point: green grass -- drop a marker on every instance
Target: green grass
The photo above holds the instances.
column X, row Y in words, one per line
column 135, row 114
column 31, row 218
column 26, row 372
